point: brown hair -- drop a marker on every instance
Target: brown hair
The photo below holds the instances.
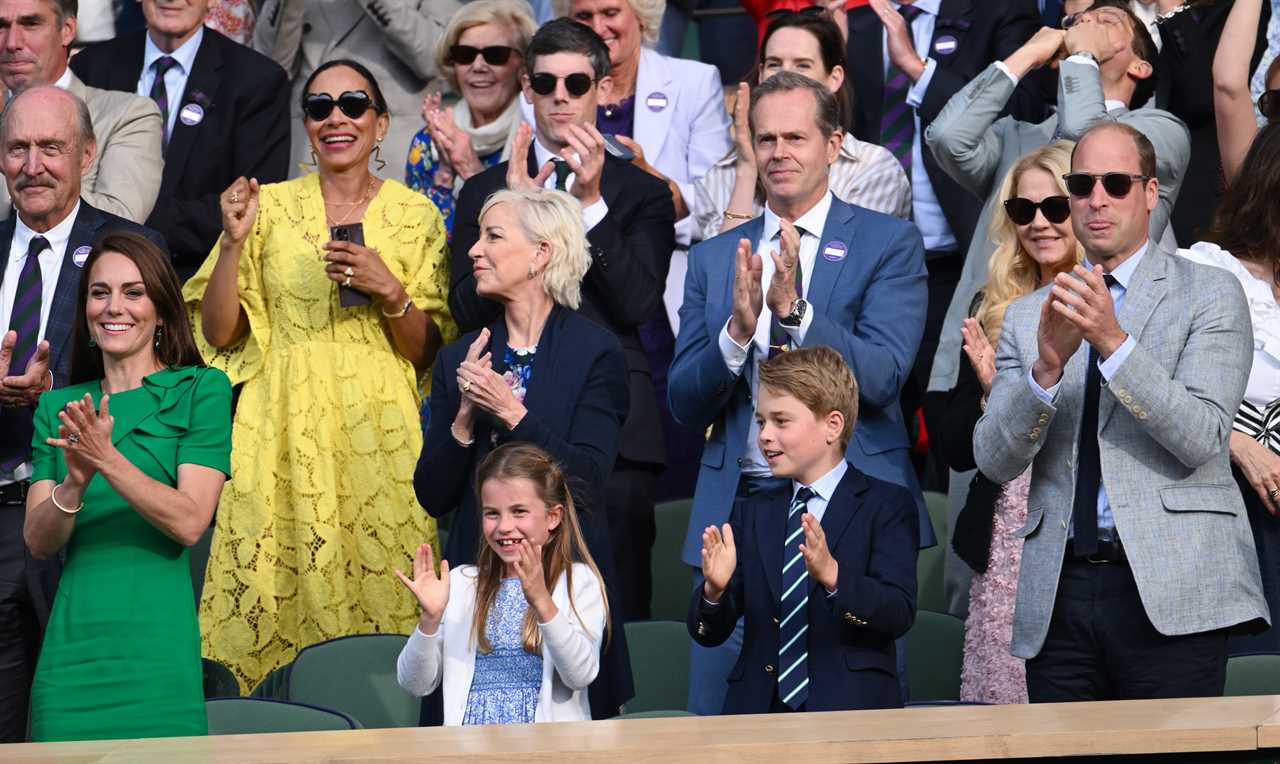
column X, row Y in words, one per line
column 820, row 379
column 1146, row 152
column 1247, row 223
column 567, row 545
column 176, row 345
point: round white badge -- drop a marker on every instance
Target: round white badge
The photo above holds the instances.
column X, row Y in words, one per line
column 191, row 114
column 80, row 255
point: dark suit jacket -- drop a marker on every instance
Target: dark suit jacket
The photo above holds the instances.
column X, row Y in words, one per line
column 630, row 251
column 245, row 131
column 872, row 532
column 985, row 31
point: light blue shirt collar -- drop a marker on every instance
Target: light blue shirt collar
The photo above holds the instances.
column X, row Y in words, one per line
column 185, row 55
column 931, row 7
column 825, row 486
column 1123, row 272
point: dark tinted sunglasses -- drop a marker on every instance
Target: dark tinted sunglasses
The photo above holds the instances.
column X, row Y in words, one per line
column 354, row 103
column 1269, row 105
column 544, row 83
column 494, row 55
column 1022, row 211
column 1116, row 184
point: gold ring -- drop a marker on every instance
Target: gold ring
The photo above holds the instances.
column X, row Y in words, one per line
column 347, row 282
column 1275, row 492
column 235, row 196
column 465, row 386
column 349, row 272
column 73, row 438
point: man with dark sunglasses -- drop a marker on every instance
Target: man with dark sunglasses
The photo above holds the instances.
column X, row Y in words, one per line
column 1117, row 385
column 186, row 68
column 630, row 221
column 1106, row 63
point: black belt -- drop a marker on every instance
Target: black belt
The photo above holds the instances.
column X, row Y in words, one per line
column 14, row 493
column 1108, row 551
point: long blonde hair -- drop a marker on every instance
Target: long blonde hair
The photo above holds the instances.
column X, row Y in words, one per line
column 1012, row 272
column 516, row 461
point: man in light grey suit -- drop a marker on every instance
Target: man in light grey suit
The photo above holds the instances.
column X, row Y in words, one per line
column 124, row 178
column 1117, row 384
column 1109, row 67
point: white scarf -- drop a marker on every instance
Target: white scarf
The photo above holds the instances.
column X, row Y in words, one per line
column 498, row 134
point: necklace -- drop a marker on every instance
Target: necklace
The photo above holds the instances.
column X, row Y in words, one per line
column 353, row 207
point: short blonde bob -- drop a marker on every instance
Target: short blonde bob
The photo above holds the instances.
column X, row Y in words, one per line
column 649, row 12
column 514, row 14
column 556, row 218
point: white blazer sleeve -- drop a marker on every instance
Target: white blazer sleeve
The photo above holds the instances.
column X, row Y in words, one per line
column 709, row 139
column 418, row 667
column 573, row 644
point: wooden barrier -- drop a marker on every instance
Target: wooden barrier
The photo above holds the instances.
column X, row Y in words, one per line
column 918, row 734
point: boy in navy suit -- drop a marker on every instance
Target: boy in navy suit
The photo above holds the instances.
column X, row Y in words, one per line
column 827, row 579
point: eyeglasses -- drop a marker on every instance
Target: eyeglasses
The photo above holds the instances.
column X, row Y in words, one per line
column 1269, row 105
column 544, row 83
column 494, row 55
column 1116, row 184
column 1022, row 211
column 354, row 103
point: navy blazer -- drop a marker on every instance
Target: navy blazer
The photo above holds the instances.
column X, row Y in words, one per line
column 872, row 530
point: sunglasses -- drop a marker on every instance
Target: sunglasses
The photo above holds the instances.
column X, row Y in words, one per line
column 494, row 55
column 1269, row 105
column 1022, row 211
column 354, row 103
column 544, row 83
column 1116, row 184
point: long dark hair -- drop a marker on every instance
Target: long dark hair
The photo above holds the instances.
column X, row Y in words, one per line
column 176, row 346
column 830, row 47
column 1247, row 223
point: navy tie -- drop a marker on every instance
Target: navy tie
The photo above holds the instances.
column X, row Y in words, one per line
column 25, row 320
column 1084, row 512
column 160, row 94
column 793, row 676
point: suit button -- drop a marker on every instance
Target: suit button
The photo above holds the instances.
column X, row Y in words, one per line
column 768, row 668
column 776, row 622
column 739, row 461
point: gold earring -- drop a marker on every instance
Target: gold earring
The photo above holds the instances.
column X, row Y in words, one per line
column 315, row 163
column 377, row 156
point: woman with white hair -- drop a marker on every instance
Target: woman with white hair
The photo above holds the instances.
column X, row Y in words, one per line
column 480, row 55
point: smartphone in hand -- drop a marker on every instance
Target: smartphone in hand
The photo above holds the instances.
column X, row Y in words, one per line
column 349, row 297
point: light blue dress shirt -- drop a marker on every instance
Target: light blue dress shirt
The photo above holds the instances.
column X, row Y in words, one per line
column 1123, row 274
column 927, row 211
column 175, row 80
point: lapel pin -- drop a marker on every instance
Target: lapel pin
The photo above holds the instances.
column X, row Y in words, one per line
column 834, row 251
column 945, row 45
column 80, row 255
column 191, row 114
column 657, row 101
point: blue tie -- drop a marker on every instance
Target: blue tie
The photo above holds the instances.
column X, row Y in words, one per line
column 793, row 681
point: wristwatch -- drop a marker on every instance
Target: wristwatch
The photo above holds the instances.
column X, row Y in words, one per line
column 798, row 309
column 1085, row 54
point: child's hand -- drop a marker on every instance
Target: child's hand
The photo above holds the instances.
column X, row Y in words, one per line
column 817, row 558
column 431, row 590
column 719, row 560
column 533, row 580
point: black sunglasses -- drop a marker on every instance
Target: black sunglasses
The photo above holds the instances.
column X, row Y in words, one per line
column 544, row 83
column 494, row 55
column 354, row 103
column 1269, row 105
column 1022, row 211
column 1116, row 184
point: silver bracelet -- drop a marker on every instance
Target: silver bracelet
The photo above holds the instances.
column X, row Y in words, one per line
column 1163, row 17
column 53, row 496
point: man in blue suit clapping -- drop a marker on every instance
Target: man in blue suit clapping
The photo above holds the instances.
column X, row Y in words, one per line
column 812, row 270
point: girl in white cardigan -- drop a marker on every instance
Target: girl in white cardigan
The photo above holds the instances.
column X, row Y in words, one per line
column 515, row 637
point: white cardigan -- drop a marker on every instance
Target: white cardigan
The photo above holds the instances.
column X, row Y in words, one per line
column 570, row 649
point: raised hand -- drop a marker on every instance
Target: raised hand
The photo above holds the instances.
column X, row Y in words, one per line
column 1046, row 46
column 430, row 105
column 1057, row 339
column 719, row 560
column 981, row 355
column 817, row 557
column 476, row 354
column 782, row 287
column 239, row 209
column 748, row 295
column 517, row 173
column 84, row 435
column 455, row 144
column 1082, row 297
column 23, row 389
column 742, row 144
column 533, row 580
column 839, row 16
column 902, row 49
column 432, row 591
column 585, row 155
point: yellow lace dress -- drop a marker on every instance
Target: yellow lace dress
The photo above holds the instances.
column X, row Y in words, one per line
column 320, row 509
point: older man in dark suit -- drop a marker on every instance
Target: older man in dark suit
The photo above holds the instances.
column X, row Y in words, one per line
column 42, row 250
column 226, row 112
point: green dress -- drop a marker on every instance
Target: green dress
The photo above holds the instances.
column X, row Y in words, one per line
column 121, row 655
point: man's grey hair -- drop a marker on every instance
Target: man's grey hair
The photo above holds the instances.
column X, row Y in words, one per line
column 65, row 9
column 84, row 133
column 826, row 107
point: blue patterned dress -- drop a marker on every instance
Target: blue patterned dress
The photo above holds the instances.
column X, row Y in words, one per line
column 505, row 686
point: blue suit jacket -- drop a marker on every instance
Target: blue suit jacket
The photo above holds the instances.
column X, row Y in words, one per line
column 872, row 531
column 869, row 306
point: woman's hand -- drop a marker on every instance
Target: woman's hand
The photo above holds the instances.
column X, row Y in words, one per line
column 719, row 560
column 430, row 105
column 239, row 209
column 742, row 144
column 359, row 267
column 677, row 196
column 431, row 590
column 978, row 348
column 85, row 438
column 533, row 581
column 1260, row 467
column 489, row 392
column 455, row 144
column 476, row 354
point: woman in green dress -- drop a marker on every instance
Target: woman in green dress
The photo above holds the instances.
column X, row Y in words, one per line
column 128, row 464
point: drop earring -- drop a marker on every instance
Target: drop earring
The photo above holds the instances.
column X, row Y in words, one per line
column 92, row 342
column 159, row 334
column 377, row 156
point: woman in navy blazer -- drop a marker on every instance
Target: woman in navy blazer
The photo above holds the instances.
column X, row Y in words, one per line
column 540, row 373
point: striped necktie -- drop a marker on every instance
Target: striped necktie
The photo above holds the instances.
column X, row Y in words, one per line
column 793, row 681
column 160, row 93
column 25, row 320
column 898, row 119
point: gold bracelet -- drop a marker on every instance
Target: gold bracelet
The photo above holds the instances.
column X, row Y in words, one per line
column 53, row 496
column 737, row 215
column 403, row 311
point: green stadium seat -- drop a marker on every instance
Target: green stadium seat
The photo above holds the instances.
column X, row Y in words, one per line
column 219, row 682
column 1253, row 674
column 251, row 716
column 935, row 654
column 660, row 665
column 672, row 578
column 355, row 675
column 930, row 588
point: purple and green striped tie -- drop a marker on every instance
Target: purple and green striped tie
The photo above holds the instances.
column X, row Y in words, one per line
column 25, row 320
column 897, row 120
column 160, row 94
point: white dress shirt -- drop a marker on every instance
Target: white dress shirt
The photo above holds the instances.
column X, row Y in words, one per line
column 824, row 488
column 735, row 355
column 175, row 79
column 591, row 214
column 50, row 268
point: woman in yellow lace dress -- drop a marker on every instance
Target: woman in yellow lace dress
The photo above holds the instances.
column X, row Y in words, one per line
column 320, row 508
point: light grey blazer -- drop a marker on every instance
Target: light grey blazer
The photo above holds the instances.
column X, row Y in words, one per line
column 1163, row 423
column 977, row 149
column 395, row 39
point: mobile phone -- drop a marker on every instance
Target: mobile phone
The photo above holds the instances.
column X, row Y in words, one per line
column 615, row 147
column 350, row 297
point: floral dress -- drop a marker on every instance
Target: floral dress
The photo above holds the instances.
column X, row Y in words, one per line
column 505, row 686
column 426, row 173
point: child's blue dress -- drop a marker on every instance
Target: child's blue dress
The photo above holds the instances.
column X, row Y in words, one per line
column 505, row 686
